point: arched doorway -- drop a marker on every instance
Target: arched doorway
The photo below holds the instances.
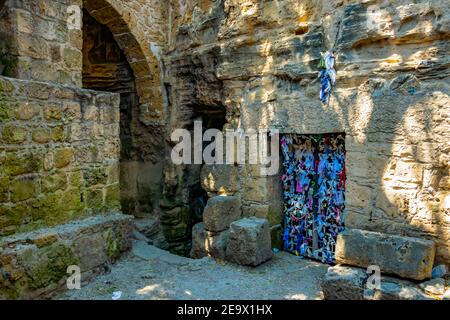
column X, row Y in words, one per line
column 107, row 67
column 115, row 61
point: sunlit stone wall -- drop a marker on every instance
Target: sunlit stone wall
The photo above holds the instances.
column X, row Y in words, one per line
column 259, row 60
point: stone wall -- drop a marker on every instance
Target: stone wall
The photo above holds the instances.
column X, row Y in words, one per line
column 59, row 154
column 60, row 158
column 34, row 265
column 44, row 48
column 254, row 63
column 41, row 45
column 259, row 60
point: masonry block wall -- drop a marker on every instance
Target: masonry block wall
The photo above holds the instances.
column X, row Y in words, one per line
column 43, row 48
column 59, row 154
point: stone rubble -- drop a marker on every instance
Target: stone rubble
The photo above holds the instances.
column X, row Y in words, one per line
column 351, row 283
column 434, row 286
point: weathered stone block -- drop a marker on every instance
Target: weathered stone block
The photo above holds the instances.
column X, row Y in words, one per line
column 90, row 113
column 344, row 283
column 6, row 110
column 58, row 134
column 27, row 111
column 41, row 135
column 273, row 212
column 222, row 179
column 24, row 188
column 16, row 163
column 404, row 256
column 249, row 242
column 256, row 210
column 72, row 58
column 350, row 283
column 257, row 189
column 54, row 182
column 63, row 157
column 13, row 134
column 72, row 110
column 206, row 243
column 53, row 112
column 220, row 211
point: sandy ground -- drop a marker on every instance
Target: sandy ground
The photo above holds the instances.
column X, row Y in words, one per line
column 151, row 273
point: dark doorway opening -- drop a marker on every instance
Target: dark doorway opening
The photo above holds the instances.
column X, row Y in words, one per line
column 313, row 179
column 105, row 68
column 8, row 45
column 212, row 117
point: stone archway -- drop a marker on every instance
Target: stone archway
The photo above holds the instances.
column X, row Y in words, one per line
column 142, row 61
column 113, row 60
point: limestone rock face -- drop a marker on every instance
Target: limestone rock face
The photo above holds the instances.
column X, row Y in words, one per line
column 249, row 242
column 258, row 60
column 404, row 256
column 220, row 211
column 235, row 65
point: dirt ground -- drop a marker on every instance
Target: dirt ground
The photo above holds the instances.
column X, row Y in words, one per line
column 151, row 273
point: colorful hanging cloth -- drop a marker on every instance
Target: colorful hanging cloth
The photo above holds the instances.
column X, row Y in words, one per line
column 313, row 182
column 327, row 74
